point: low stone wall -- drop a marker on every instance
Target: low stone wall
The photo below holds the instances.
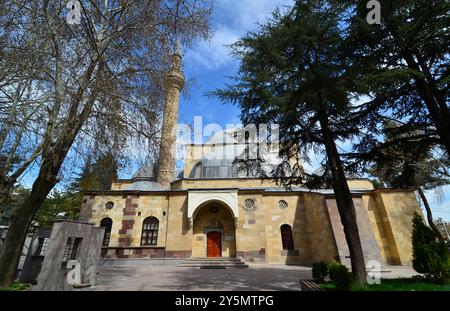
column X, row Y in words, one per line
column 253, row 256
column 140, row 262
column 142, row 252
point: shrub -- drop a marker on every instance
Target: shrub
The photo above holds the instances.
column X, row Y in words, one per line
column 340, row 276
column 332, row 268
column 319, row 271
column 430, row 255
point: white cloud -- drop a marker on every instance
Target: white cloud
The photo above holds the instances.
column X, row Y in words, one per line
column 231, row 20
column 245, row 14
column 214, row 53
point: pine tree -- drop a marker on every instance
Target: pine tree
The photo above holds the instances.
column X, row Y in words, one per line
column 430, row 256
column 98, row 175
column 404, row 161
column 293, row 74
column 404, row 63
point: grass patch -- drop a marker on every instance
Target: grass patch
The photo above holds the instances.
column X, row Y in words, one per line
column 15, row 287
column 404, row 284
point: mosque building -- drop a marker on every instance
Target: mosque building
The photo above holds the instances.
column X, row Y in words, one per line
column 215, row 209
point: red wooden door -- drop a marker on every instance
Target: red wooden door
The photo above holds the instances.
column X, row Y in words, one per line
column 214, row 244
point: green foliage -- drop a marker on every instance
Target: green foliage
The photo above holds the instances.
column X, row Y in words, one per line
column 16, row 287
column 340, row 276
column 293, row 73
column 60, row 204
column 430, row 256
column 390, row 59
column 407, row 160
column 332, row 267
column 412, row 284
column 319, row 271
column 98, row 174
column 64, row 204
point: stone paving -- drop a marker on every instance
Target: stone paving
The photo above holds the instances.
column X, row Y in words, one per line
column 259, row 277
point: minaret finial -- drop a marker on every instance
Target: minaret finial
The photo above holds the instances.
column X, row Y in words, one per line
column 176, row 57
column 178, row 48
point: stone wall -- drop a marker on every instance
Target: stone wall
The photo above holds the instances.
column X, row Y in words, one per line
column 382, row 234
column 52, row 276
column 248, row 183
column 251, row 227
column 35, row 256
column 319, row 229
column 397, row 208
column 179, row 232
column 370, row 246
column 293, row 215
column 128, row 215
column 383, row 218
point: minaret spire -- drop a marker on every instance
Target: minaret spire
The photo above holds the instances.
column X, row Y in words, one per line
column 174, row 82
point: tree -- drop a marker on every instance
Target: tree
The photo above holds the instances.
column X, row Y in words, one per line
column 430, row 255
column 100, row 81
column 404, row 63
column 293, row 74
column 59, row 204
column 403, row 161
column 98, row 175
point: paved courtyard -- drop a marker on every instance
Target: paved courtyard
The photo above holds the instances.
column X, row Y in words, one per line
column 170, row 278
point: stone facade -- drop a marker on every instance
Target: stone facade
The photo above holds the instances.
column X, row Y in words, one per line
column 255, row 218
column 384, row 220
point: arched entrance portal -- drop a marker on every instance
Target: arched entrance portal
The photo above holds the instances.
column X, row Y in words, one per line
column 213, row 232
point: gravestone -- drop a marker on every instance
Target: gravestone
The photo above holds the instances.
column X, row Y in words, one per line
column 69, row 241
column 35, row 256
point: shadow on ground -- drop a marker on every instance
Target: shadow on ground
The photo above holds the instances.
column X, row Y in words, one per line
column 138, row 278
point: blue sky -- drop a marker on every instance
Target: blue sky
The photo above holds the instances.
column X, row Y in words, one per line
column 208, row 66
column 210, row 63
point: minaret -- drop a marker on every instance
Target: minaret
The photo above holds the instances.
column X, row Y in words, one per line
column 174, row 82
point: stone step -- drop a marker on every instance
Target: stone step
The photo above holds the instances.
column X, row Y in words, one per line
column 214, row 263
column 214, row 266
column 214, row 258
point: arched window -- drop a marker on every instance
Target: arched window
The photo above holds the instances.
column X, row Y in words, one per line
column 286, row 237
column 150, row 231
column 107, row 224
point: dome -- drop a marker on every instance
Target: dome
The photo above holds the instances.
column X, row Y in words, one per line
column 143, row 185
column 146, row 171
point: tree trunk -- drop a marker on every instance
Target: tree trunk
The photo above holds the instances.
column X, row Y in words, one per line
column 5, row 193
column 429, row 214
column 17, row 232
column 344, row 204
column 48, row 174
column 439, row 112
column 426, row 87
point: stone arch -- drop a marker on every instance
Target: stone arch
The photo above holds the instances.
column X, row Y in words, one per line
column 213, row 218
column 210, row 202
column 200, row 198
